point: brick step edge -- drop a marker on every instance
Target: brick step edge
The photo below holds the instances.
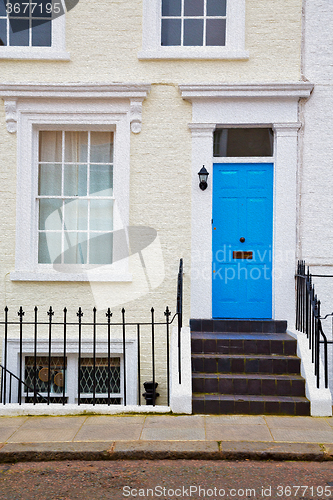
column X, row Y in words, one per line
column 256, row 385
column 217, row 404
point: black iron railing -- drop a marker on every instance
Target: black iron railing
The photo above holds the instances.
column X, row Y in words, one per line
column 180, row 316
column 41, row 362
column 6, row 387
column 308, row 319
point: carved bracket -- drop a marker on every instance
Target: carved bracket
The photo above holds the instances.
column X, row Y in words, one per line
column 11, row 116
column 136, row 115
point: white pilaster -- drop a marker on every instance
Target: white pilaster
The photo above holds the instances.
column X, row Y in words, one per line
column 201, row 259
column 285, row 210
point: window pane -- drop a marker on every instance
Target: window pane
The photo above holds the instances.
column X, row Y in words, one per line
column 18, row 9
column 103, row 377
column 101, row 147
column 41, row 34
column 216, row 7
column 76, row 147
column 50, row 216
column 3, row 32
column 46, row 241
column 50, row 146
column 19, row 32
column 215, row 32
column 42, row 9
column 193, row 7
column 101, row 180
column 171, row 32
column 49, row 180
column 193, row 32
column 243, row 142
column 76, row 215
column 3, row 11
column 101, row 215
column 100, row 248
column 171, row 7
column 75, row 180
column 77, row 251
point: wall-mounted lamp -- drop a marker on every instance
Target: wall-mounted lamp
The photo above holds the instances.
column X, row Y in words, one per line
column 203, row 176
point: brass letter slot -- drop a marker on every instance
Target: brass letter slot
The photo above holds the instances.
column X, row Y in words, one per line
column 242, row 255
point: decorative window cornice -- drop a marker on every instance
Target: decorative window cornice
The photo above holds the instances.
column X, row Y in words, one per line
column 257, row 90
column 135, row 93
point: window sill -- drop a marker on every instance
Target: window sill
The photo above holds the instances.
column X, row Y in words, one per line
column 193, row 53
column 36, row 53
column 89, row 276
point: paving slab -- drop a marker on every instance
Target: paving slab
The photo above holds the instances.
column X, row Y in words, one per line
column 42, row 435
column 184, row 421
column 235, row 420
column 111, row 430
column 12, row 421
column 181, row 428
column 114, row 420
column 302, row 436
column 53, row 423
column 227, row 432
column 5, row 434
column 298, row 423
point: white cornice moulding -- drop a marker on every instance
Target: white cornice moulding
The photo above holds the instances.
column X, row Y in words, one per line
column 13, row 92
column 75, row 90
column 262, row 90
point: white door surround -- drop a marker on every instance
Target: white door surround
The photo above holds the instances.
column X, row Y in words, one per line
column 255, row 105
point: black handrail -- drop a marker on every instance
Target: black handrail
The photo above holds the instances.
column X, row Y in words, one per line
column 308, row 318
column 3, row 387
column 180, row 316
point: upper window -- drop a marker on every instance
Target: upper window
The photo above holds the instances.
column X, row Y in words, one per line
column 32, row 30
column 193, row 29
column 193, row 22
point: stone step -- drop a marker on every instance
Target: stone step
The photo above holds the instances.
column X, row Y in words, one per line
column 220, row 404
column 250, row 384
column 243, row 343
column 238, row 325
column 243, row 363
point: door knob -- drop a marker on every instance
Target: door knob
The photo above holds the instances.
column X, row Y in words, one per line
column 242, row 239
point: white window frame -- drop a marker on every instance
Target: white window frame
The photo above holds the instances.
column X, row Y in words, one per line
column 57, row 51
column 117, row 350
column 235, row 36
column 113, row 107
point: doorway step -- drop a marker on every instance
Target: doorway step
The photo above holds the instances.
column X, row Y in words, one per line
column 246, row 367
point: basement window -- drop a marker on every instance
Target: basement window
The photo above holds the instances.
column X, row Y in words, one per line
column 243, row 142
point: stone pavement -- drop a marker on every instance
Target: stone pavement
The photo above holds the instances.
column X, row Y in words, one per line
column 233, row 437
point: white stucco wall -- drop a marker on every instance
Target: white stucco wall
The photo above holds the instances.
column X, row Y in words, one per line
column 315, row 238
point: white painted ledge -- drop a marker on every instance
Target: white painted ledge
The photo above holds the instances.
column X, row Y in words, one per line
column 203, row 53
column 320, row 399
column 14, row 409
column 33, row 54
column 60, row 276
column 181, row 394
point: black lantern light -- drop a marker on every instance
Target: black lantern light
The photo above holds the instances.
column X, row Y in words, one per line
column 203, row 176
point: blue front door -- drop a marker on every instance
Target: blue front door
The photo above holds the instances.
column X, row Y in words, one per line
column 242, row 227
